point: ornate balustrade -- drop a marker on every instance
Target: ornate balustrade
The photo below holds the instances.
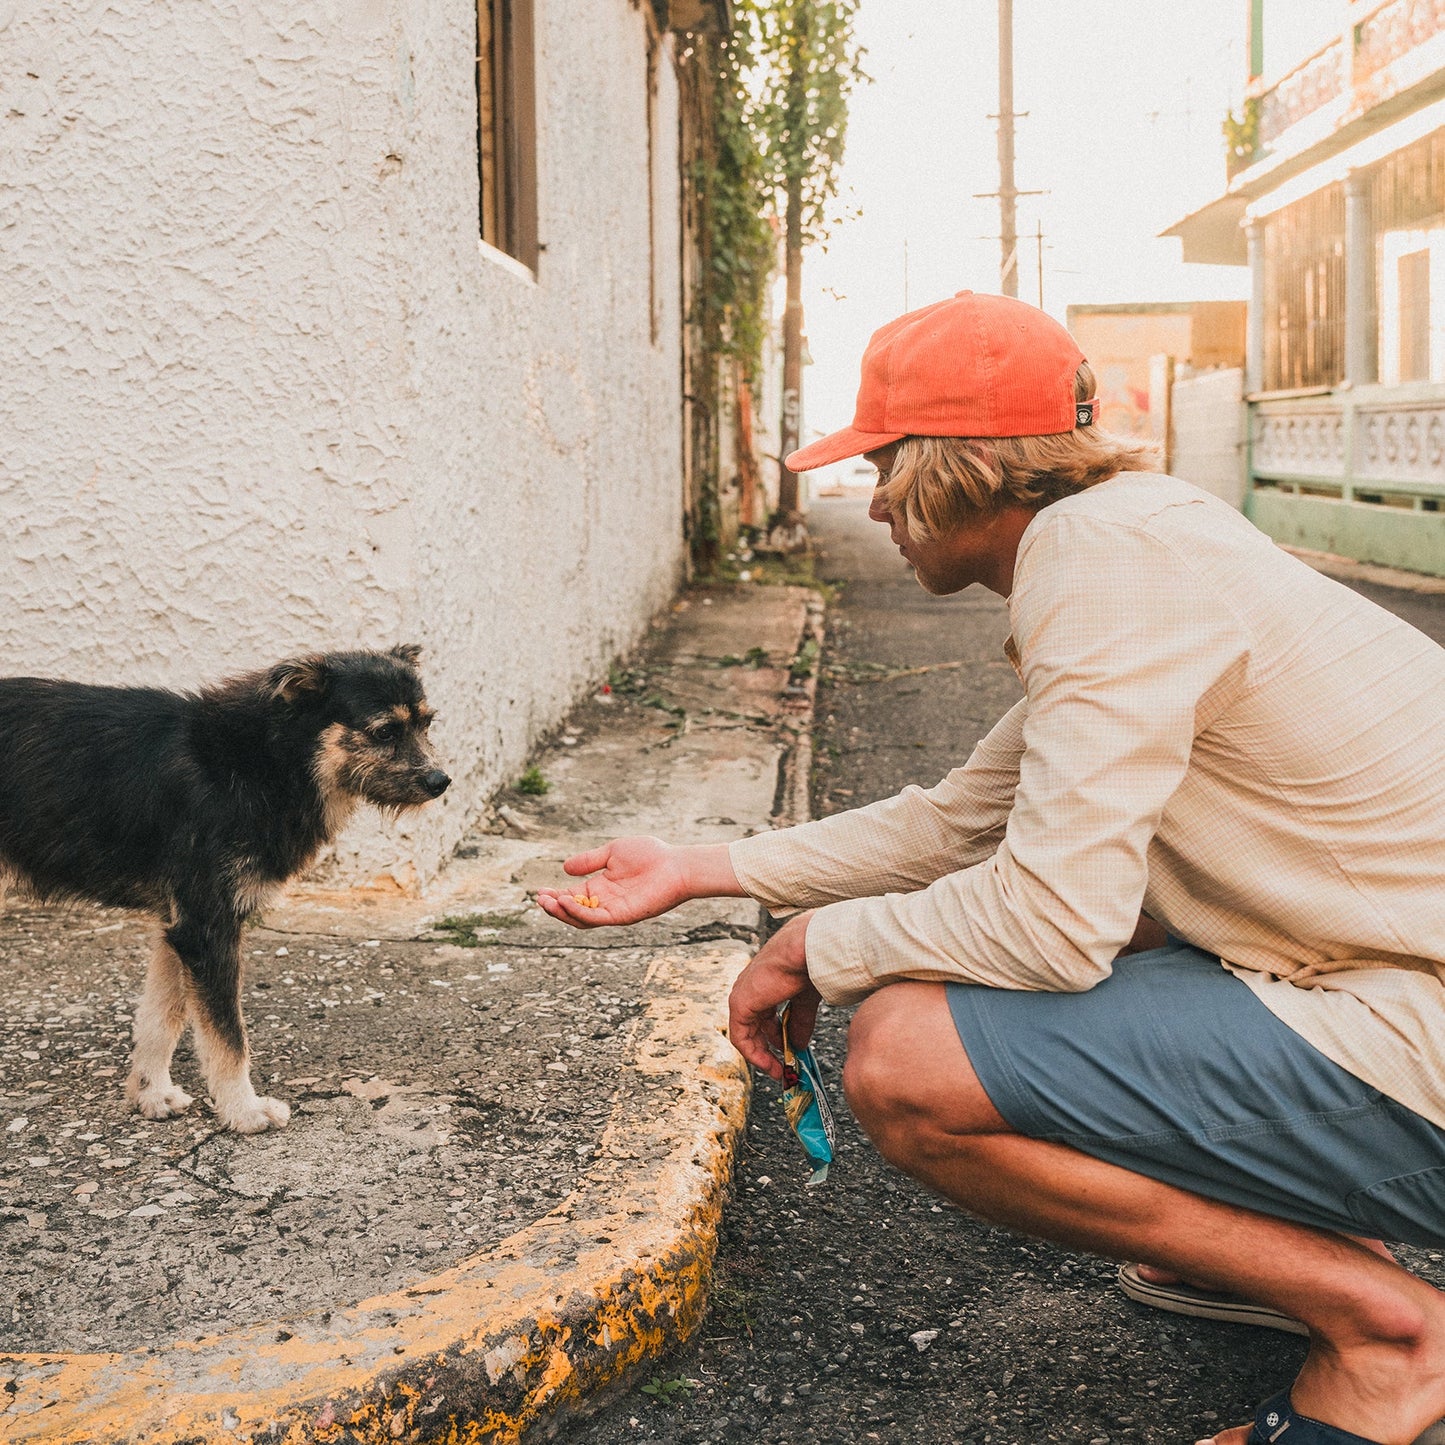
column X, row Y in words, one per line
column 1385, row 445
column 1360, row 472
column 1401, row 444
column 1392, row 31
column 1348, row 64
column 1304, row 90
column 1303, row 441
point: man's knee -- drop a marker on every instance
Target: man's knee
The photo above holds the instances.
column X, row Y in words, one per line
column 872, row 1081
column 907, row 1075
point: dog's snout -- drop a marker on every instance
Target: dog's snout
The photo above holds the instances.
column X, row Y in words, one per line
column 436, row 782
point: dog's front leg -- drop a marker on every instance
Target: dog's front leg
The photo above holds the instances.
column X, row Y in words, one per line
column 210, row 947
column 159, row 1019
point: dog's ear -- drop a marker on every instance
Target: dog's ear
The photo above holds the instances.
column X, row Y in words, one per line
column 407, row 652
column 299, row 678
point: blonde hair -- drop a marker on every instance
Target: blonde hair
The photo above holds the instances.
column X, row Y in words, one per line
column 936, row 483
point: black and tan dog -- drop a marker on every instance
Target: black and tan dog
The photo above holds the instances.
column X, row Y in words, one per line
column 194, row 807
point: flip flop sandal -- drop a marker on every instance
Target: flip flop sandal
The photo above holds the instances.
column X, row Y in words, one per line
column 1276, row 1422
column 1184, row 1299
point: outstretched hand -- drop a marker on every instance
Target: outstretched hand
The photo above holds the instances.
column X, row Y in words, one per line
column 638, row 878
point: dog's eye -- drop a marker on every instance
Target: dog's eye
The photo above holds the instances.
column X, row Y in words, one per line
column 387, row 732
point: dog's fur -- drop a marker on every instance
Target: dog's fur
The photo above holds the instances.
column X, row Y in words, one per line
column 193, row 808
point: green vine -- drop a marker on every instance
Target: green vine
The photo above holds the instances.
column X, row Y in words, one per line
column 737, row 236
column 775, row 100
column 1241, row 135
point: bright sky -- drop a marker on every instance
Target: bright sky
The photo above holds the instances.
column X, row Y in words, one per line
column 1125, row 99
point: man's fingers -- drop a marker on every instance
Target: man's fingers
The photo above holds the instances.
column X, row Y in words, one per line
column 802, row 1017
column 588, row 862
column 565, row 908
column 550, row 905
column 751, row 1047
column 750, row 1041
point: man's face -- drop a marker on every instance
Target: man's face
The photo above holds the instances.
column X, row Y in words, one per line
column 943, row 565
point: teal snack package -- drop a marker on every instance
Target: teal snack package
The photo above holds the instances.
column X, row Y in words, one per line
column 805, row 1103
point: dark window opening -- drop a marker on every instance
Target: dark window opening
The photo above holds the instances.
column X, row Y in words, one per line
column 507, row 127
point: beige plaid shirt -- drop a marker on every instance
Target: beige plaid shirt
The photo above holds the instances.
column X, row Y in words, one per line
column 1211, row 732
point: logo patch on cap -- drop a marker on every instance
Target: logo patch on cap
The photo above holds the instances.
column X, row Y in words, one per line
column 1084, row 412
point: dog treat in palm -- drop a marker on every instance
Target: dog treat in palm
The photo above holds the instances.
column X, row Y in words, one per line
column 587, row 900
column 805, row 1103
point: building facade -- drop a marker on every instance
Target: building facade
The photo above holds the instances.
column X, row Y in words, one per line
column 1170, row 371
column 1336, row 203
column 343, row 324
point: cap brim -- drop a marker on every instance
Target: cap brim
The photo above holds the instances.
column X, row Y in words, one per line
column 838, row 447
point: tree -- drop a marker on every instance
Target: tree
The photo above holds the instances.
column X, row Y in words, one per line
column 805, row 63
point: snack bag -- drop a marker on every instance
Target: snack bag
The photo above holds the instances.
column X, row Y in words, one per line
column 805, row 1103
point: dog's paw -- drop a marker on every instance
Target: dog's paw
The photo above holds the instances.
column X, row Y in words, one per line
column 257, row 1116
column 159, row 1100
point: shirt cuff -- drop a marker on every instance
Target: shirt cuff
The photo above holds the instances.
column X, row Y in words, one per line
column 761, row 866
column 836, row 962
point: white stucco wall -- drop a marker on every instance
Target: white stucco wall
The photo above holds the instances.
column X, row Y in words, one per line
column 265, row 391
column 1207, row 446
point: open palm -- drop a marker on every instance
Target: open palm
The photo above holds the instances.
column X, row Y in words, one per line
column 631, row 879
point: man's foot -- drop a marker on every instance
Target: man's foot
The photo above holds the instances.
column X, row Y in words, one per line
column 1162, row 1290
column 1386, row 1386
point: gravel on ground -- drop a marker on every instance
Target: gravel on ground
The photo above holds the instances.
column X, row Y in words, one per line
column 424, row 1077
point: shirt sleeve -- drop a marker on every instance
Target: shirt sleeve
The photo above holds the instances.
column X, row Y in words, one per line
column 1126, row 657
column 896, row 845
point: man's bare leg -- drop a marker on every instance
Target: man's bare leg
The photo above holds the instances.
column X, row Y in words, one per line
column 1166, row 1277
column 1376, row 1364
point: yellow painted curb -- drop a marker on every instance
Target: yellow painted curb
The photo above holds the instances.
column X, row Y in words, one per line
column 501, row 1342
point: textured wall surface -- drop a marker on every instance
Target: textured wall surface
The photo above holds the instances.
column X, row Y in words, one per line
column 265, row 390
column 1208, row 443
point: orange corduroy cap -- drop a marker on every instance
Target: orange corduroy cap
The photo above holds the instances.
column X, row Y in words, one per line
column 971, row 366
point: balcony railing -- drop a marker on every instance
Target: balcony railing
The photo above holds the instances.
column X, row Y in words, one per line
column 1393, row 30
column 1304, row 90
column 1359, row 472
column 1377, row 438
column 1348, row 65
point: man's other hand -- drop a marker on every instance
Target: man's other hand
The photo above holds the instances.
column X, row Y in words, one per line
column 778, row 972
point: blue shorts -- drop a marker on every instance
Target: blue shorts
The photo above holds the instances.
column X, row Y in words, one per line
column 1173, row 1069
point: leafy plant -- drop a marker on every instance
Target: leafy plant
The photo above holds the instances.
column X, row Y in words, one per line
column 666, row 1392
column 753, row 657
column 462, row 928
column 532, row 782
column 805, row 64
column 1241, row 135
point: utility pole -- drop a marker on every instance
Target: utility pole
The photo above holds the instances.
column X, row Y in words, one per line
column 1039, row 237
column 1007, row 196
column 1007, row 193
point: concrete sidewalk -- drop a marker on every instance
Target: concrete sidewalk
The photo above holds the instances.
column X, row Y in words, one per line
column 500, row 1188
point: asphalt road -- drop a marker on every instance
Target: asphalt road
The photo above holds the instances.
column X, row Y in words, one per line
column 827, row 1299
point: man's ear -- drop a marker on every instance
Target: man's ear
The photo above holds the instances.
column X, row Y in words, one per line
column 407, row 652
column 299, row 679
